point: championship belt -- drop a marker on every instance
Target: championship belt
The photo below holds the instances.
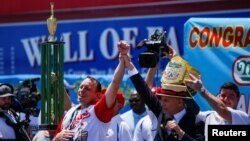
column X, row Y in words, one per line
column 175, row 73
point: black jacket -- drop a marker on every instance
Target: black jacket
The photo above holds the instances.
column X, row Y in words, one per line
column 187, row 123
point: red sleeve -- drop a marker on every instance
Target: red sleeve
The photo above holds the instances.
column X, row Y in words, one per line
column 58, row 128
column 102, row 112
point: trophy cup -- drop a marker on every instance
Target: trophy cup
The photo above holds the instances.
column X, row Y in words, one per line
column 52, row 24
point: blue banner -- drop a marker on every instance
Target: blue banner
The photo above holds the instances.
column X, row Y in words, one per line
column 90, row 45
column 220, row 49
column 90, row 48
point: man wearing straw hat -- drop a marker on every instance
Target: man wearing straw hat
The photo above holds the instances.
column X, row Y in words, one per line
column 175, row 120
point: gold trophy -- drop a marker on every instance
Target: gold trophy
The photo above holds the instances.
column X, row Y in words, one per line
column 52, row 24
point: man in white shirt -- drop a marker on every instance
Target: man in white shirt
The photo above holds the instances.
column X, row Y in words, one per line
column 224, row 105
column 137, row 111
column 91, row 118
column 119, row 129
column 146, row 128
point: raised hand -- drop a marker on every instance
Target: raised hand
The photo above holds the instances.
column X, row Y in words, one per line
column 123, row 47
column 171, row 52
column 193, row 82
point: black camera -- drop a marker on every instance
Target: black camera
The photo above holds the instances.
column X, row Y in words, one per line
column 156, row 45
column 27, row 97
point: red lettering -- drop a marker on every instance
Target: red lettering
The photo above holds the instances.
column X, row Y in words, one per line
column 227, row 37
column 204, row 36
column 79, row 119
column 247, row 40
column 215, row 37
column 239, row 32
column 192, row 43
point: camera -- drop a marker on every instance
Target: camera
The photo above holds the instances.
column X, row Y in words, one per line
column 27, row 97
column 25, row 101
column 156, row 45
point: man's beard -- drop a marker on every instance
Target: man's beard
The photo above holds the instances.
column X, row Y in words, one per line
column 6, row 107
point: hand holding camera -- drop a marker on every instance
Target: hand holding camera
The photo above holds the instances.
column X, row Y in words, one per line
column 156, row 48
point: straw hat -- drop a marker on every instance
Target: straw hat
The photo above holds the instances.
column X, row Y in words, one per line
column 173, row 82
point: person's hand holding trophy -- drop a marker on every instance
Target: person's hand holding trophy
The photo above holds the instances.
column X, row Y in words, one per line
column 52, row 24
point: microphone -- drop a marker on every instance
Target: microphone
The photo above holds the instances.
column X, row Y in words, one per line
column 167, row 117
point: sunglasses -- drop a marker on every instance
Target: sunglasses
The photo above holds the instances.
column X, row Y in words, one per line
column 133, row 100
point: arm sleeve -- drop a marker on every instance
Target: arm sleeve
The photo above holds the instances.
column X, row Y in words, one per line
column 132, row 72
column 102, row 112
column 202, row 116
column 239, row 117
column 145, row 92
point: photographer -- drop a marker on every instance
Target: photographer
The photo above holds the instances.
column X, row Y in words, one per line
column 11, row 127
column 25, row 103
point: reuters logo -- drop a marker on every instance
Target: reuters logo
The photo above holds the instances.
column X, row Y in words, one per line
column 241, row 70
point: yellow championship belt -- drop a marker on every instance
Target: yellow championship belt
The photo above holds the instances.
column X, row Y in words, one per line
column 175, row 73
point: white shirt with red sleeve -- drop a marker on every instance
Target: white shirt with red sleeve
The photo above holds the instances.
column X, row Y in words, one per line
column 91, row 122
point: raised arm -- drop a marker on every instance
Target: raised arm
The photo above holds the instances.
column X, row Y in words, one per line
column 118, row 76
column 152, row 71
column 213, row 101
column 141, row 87
column 151, row 75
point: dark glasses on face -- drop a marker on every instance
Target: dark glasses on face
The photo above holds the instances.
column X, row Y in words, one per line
column 134, row 100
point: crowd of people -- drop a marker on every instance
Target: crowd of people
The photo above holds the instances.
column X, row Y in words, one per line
column 157, row 113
